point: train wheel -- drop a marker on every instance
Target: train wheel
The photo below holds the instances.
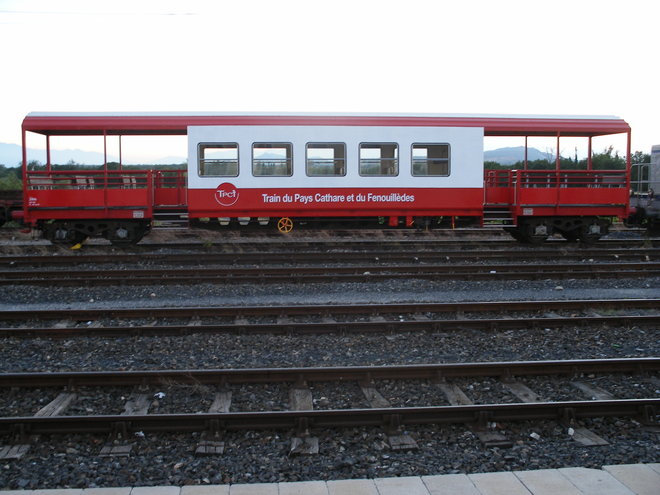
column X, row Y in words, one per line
column 125, row 233
column 285, row 225
column 590, row 233
column 534, row 231
column 63, row 233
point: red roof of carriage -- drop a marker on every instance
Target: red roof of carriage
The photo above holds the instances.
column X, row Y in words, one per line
column 177, row 123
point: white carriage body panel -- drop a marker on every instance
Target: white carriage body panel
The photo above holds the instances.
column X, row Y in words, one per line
column 466, row 155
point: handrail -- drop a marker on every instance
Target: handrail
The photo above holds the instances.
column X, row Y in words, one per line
column 556, row 178
column 100, row 179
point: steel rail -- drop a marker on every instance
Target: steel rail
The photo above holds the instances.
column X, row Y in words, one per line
column 224, row 377
column 329, row 310
column 645, row 409
column 310, row 274
column 338, row 256
column 326, row 327
column 361, row 238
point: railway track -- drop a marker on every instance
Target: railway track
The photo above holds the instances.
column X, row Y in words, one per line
column 312, row 274
column 329, row 255
column 449, row 404
column 322, row 241
column 318, row 319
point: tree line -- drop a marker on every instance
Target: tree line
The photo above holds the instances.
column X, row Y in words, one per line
column 607, row 160
column 10, row 177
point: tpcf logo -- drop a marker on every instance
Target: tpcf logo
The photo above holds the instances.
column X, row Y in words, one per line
column 226, row 194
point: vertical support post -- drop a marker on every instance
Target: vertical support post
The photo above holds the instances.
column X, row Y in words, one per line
column 25, row 177
column 105, row 172
column 48, row 167
column 105, row 150
column 589, row 163
column 558, row 177
column 525, row 152
column 629, row 161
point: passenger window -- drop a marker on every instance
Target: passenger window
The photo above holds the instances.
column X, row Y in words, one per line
column 272, row 159
column 326, row 159
column 430, row 160
column 218, row 159
column 379, row 159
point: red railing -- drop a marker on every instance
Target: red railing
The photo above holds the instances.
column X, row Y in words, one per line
column 558, row 192
column 83, row 179
column 556, row 178
column 102, row 194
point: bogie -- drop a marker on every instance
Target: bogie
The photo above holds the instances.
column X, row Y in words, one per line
column 119, row 233
column 536, row 230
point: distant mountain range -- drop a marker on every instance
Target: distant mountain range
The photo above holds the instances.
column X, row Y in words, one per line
column 10, row 156
column 509, row 156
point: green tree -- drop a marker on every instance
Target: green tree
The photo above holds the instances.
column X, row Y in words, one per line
column 607, row 160
column 10, row 178
column 641, row 157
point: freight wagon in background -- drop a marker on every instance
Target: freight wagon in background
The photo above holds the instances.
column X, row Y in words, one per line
column 645, row 194
column 263, row 169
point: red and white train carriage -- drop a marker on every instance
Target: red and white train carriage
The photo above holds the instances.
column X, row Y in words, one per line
column 407, row 169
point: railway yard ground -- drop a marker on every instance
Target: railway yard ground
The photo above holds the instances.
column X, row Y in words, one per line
column 389, row 332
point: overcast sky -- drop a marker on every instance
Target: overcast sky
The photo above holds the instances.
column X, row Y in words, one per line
column 577, row 57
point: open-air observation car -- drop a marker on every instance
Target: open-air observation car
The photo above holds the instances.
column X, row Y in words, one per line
column 424, row 170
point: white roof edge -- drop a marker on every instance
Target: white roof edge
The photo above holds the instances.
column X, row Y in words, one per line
column 318, row 114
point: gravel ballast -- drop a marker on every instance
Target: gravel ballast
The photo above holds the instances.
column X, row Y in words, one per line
column 263, row 456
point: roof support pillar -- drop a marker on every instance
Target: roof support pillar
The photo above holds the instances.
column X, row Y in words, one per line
column 48, row 167
column 25, row 165
column 105, row 150
column 628, row 158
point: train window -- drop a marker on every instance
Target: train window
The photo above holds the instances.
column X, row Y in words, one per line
column 379, row 159
column 430, row 160
column 272, row 159
column 218, row 159
column 326, row 159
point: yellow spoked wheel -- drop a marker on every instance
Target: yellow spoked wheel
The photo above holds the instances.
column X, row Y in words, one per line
column 285, row 225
